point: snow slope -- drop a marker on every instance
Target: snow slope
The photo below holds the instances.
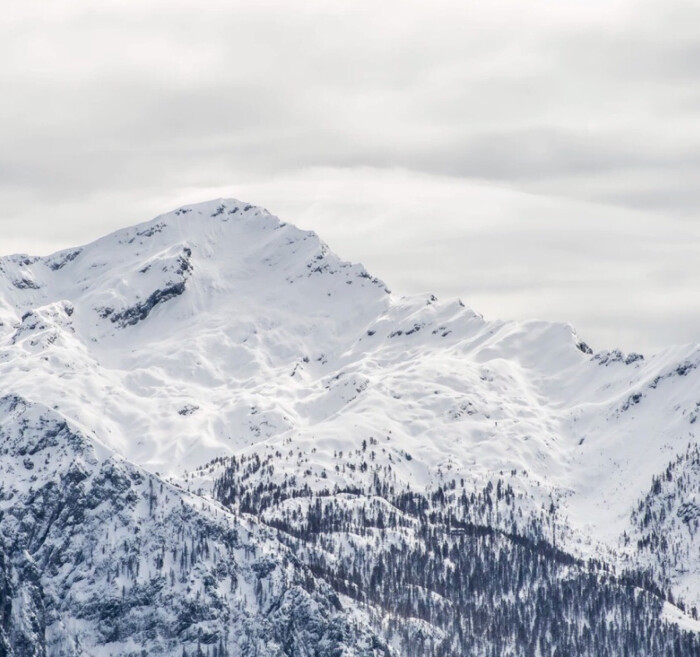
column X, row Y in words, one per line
column 218, row 330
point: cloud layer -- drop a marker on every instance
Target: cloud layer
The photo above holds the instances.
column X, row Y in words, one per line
column 544, row 154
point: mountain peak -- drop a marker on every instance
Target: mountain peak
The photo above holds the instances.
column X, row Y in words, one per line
column 267, row 411
column 223, row 244
column 210, row 295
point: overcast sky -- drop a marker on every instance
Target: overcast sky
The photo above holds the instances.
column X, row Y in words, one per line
column 535, row 158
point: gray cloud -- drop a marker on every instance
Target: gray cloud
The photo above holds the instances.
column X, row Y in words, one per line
column 116, row 111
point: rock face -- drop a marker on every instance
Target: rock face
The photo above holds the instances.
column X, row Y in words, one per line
column 218, row 438
column 106, row 557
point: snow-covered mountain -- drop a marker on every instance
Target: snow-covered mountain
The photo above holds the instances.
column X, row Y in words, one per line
column 216, row 436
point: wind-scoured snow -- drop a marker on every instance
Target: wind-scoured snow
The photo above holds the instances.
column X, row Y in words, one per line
column 218, row 330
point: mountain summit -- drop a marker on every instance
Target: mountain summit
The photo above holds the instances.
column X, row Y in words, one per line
column 218, row 437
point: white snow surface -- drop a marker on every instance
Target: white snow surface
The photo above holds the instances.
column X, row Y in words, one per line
column 217, row 329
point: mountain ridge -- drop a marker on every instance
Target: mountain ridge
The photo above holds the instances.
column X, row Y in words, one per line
column 235, row 357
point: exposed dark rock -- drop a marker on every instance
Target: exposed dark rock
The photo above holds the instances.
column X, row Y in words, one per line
column 139, row 312
column 616, row 356
column 152, row 230
column 632, row 400
column 188, row 409
column 682, row 369
column 25, row 284
column 63, row 259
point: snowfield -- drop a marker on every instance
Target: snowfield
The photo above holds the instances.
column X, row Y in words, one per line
column 218, row 331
